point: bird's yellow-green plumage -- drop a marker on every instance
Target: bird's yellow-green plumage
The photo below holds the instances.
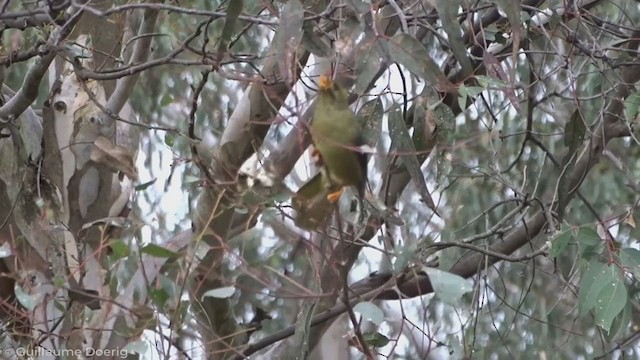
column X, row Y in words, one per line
column 337, row 135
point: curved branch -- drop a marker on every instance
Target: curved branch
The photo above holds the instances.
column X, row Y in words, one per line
column 28, row 92
column 124, row 86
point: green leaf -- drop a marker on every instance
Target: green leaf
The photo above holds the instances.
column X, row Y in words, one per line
column 424, row 117
column 402, row 144
column 588, row 236
column 349, row 32
column 449, row 287
column 594, row 279
column 467, row 92
column 448, row 12
column 58, row 282
column 144, row 186
column 233, row 11
column 288, row 37
column 169, row 286
column 589, row 243
column 630, row 261
column 60, row 306
column 411, row 54
column 253, row 7
column 28, row 301
column 512, row 9
column 632, row 107
column 620, row 324
column 560, row 242
column 190, row 179
column 574, row 131
column 589, row 253
column 370, row 311
column 404, row 256
column 241, row 210
column 166, row 100
column 158, row 296
column 220, row 293
column 462, row 97
column 370, row 117
column 169, row 139
column 136, row 347
column 494, row 35
column 474, row 91
column 375, row 339
column 498, row 79
column 119, row 249
column 359, row 6
column 158, row 251
column 445, row 137
column 573, row 137
column 368, row 63
column 487, row 81
column 610, row 302
column 630, row 257
column 312, row 42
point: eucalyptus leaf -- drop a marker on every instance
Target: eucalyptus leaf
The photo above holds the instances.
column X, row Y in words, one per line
column 449, row 287
column 593, row 280
column 233, row 11
column 376, row 339
column 574, row 131
column 402, row 144
column 288, row 37
column 447, row 13
column 410, row 53
column 370, row 117
column 560, row 242
column 632, row 107
column 158, row 251
column 119, row 249
column 610, row 303
column 313, row 42
column 28, row 301
column 220, row 293
column 588, row 236
column 137, row 347
column 368, row 62
column 630, row 261
column 370, row 311
column 620, row 323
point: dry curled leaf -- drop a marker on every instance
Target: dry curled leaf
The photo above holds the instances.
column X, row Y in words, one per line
column 114, row 157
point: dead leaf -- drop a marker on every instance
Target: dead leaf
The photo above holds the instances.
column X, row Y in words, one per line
column 495, row 70
column 114, row 157
column 630, row 220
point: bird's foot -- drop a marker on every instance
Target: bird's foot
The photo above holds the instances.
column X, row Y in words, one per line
column 334, row 196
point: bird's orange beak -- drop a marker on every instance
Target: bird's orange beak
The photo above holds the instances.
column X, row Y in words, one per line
column 325, row 83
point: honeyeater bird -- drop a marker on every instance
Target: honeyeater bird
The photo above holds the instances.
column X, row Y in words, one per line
column 337, row 136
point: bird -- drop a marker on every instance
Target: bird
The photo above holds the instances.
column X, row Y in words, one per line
column 337, row 137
